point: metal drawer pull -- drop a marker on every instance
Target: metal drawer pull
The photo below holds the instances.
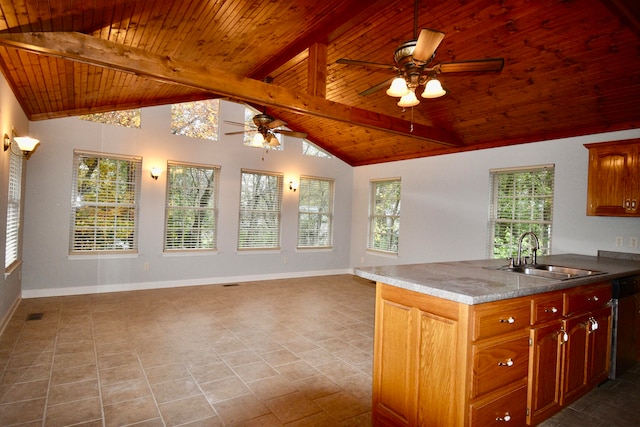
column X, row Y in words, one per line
column 509, row 320
column 509, row 362
column 506, row 418
column 551, row 310
column 565, row 336
column 594, row 324
column 593, row 298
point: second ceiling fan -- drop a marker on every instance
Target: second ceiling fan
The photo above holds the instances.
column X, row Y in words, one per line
column 414, row 67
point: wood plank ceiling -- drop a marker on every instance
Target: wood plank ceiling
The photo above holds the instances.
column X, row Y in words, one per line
column 572, row 67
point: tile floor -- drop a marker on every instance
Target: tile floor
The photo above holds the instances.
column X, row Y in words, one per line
column 295, row 352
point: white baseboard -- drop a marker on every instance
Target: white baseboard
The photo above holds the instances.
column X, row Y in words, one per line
column 97, row 289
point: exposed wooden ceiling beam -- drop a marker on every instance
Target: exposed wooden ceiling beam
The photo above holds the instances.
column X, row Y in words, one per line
column 103, row 53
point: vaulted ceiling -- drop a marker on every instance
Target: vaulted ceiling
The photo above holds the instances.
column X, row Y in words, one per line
column 571, row 67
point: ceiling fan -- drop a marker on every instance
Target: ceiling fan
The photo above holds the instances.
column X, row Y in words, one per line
column 265, row 128
column 414, row 67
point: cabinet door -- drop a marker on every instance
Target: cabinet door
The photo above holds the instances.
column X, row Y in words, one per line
column 574, row 358
column 613, row 184
column 393, row 388
column 599, row 345
column 545, row 359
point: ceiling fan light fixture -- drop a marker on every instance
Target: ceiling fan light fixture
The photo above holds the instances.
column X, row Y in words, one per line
column 257, row 140
column 433, row 89
column 398, row 88
column 408, row 100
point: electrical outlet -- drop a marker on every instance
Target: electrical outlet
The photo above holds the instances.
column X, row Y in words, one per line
column 619, row 241
column 285, row 259
column 146, row 266
column 633, row 242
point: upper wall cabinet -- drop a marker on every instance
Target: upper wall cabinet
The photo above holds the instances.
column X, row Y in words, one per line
column 614, row 178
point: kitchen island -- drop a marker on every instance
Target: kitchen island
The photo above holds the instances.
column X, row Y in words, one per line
column 468, row 344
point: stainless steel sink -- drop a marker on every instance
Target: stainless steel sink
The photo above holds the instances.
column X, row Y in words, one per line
column 552, row 271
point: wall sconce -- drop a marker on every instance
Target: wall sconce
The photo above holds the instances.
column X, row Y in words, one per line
column 293, row 186
column 155, row 172
column 26, row 144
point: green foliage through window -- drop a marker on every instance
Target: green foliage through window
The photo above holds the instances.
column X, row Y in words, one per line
column 104, row 203
column 260, row 203
column 384, row 220
column 522, row 201
column 126, row 118
column 191, row 213
column 315, row 212
column 197, row 119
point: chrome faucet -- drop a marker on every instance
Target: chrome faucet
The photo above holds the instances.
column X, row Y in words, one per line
column 534, row 249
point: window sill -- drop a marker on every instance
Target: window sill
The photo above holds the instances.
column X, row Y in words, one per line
column 101, row 256
column 187, row 253
column 13, row 267
column 382, row 253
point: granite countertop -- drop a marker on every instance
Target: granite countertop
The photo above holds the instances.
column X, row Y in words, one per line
column 476, row 282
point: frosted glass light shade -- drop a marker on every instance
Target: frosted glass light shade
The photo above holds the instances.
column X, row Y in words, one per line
column 433, row 89
column 26, row 143
column 409, row 100
column 398, row 88
column 257, row 140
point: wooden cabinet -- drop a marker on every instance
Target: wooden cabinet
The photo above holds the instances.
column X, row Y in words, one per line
column 442, row 363
column 569, row 350
column 614, row 178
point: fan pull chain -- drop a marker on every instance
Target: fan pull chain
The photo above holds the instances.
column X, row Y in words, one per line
column 411, row 127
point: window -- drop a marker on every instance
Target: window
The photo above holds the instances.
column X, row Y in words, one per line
column 521, row 201
column 126, row 118
column 198, row 119
column 104, row 204
column 315, row 212
column 310, row 149
column 191, row 212
column 260, row 201
column 384, row 219
column 13, row 211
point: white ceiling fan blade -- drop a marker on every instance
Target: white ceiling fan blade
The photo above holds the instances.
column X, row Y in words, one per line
column 428, row 42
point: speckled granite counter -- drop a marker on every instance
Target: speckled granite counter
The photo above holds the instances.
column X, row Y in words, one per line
column 475, row 282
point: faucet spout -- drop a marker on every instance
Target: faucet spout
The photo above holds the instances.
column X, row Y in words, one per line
column 534, row 249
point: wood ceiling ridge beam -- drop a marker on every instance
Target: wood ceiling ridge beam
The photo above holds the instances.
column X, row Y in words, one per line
column 103, row 53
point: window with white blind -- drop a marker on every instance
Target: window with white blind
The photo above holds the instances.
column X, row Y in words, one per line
column 191, row 211
column 13, row 211
column 521, row 201
column 104, row 203
column 260, row 202
column 384, row 216
column 315, row 212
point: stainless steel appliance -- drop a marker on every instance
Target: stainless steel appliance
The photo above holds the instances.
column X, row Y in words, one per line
column 625, row 345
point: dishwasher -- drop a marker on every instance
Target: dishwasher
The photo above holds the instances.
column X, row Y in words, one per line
column 625, row 333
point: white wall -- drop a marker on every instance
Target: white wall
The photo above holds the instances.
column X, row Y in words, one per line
column 50, row 271
column 445, row 203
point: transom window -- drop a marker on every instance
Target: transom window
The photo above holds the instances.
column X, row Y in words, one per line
column 521, row 201
column 197, row 119
column 192, row 210
column 105, row 203
column 125, row 118
column 260, row 204
column 384, row 217
column 315, row 212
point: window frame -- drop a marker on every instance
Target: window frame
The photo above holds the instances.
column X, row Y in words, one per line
column 77, row 204
column 543, row 228
column 276, row 212
column 14, row 213
column 329, row 214
column 372, row 233
column 212, row 206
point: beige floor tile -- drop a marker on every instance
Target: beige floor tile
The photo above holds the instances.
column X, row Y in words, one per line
column 72, row 374
column 211, row 372
column 65, row 393
column 24, row 391
column 342, row 406
column 76, row 412
column 292, row 407
column 22, row 412
column 164, row 373
column 26, row 374
column 240, row 409
column 317, row 386
column 122, row 391
column 255, row 371
column 271, row 387
column 175, row 390
column 186, row 410
column 130, row 412
column 17, row 361
column 297, row 370
column 121, row 374
column 228, row 388
column 66, row 360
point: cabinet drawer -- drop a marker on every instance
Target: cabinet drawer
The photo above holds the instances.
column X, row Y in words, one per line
column 508, row 409
column 501, row 317
column 547, row 308
column 499, row 364
column 586, row 298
